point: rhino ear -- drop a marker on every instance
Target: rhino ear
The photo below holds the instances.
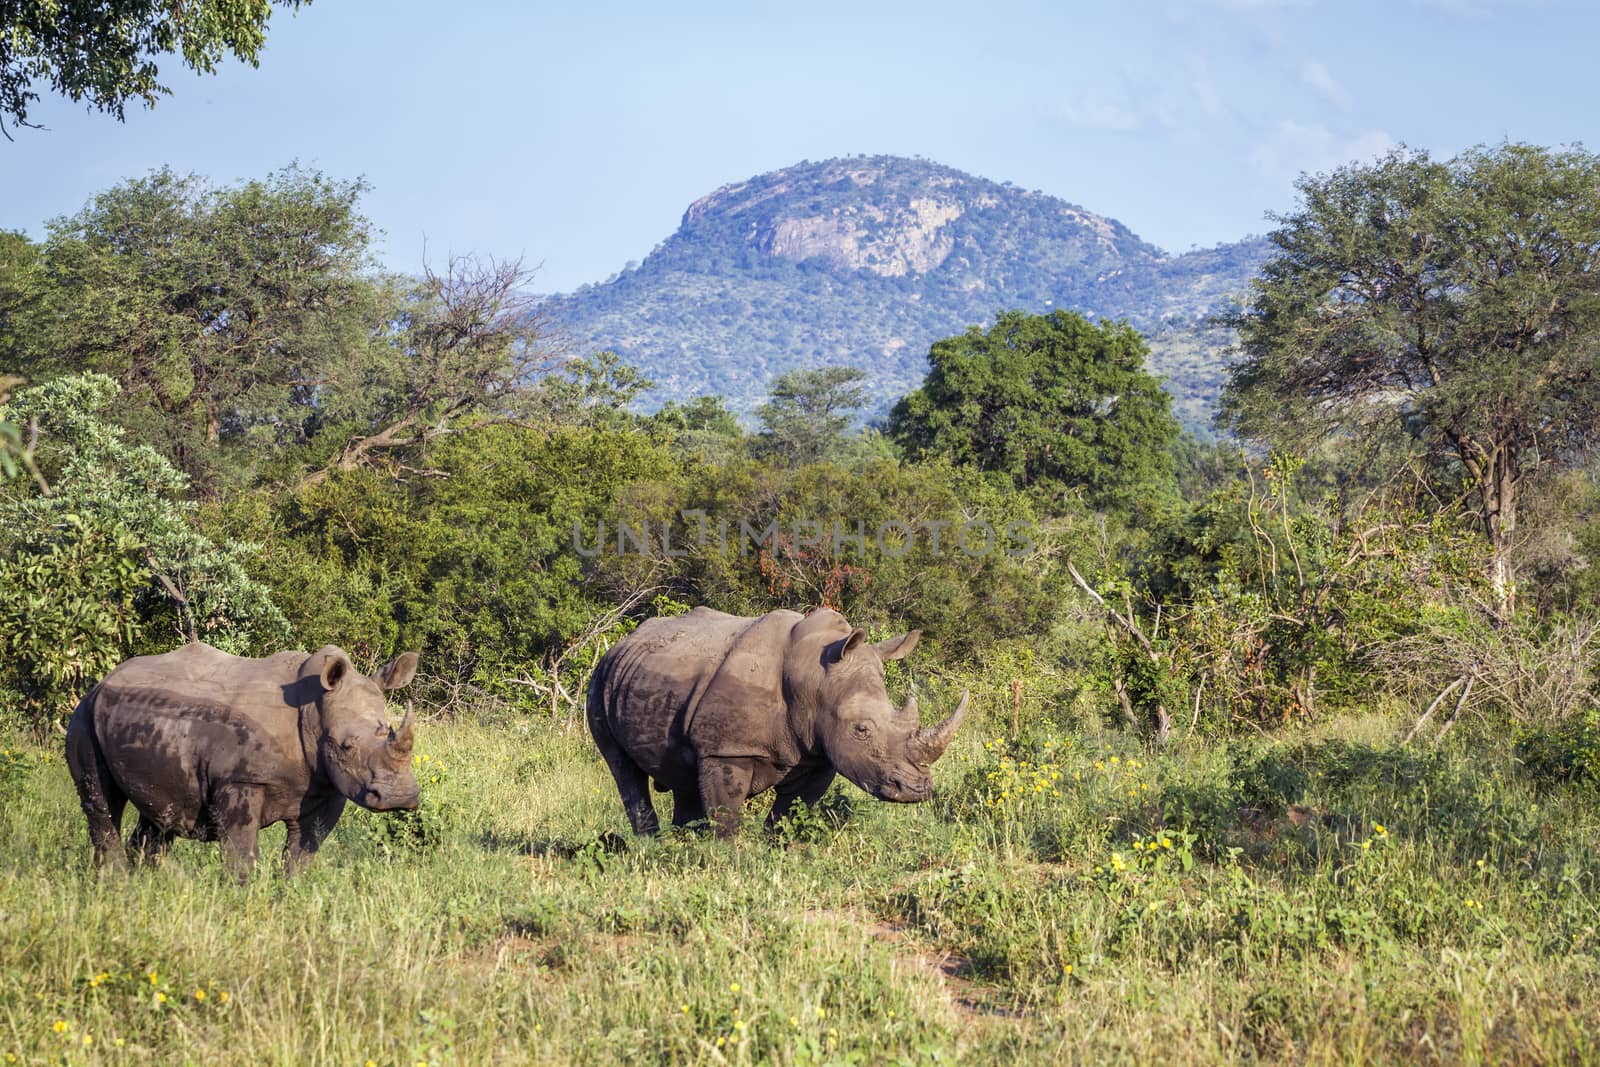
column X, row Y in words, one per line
column 898, row 647
column 846, row 645
column 398, row 672
column 336, row 666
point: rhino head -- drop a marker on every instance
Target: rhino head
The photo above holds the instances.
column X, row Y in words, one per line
column 884, row 750
column 367, row 760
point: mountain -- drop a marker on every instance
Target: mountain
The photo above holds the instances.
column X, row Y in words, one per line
column 866, row 261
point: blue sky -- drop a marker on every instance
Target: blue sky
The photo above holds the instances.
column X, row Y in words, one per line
column 576, row 136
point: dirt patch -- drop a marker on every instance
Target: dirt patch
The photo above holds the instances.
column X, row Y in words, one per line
column 949, row 972
column 510, row 953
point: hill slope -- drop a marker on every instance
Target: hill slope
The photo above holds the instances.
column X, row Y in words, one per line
column 866, row 261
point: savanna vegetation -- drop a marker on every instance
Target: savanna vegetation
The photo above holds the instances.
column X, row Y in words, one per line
column 1281, row 750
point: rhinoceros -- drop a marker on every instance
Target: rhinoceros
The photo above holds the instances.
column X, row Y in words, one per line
column 716, row 708
column 214, row 747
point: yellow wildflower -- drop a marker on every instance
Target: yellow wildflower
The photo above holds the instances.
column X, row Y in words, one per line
column 60, row 1026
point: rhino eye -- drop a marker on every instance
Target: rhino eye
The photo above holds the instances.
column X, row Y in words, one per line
column 349, row 744
column 863, row 729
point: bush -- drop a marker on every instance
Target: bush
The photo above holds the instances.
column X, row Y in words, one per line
column 1569, row 752
column 110, row 562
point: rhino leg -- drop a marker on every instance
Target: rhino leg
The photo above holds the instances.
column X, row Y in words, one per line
column 807, row 787
column 724, row 787
column 632, row 782
column 149, row 841
column 236, row 815
column 102, row 799
column 687, row 807
column 309, row 830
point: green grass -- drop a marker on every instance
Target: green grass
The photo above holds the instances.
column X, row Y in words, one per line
column 1206, row 904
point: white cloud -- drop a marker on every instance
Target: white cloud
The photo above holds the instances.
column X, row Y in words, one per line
column 1095, row 110
column 1317, row 75
column 1295, row 148
column 1204, row 89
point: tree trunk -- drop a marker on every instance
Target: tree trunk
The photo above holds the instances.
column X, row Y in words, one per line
column 1497, row 487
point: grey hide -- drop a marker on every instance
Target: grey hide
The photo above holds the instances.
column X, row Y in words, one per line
column 717, row 708
column 214, row 747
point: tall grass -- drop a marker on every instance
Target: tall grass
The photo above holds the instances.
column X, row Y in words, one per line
column 1331, row 900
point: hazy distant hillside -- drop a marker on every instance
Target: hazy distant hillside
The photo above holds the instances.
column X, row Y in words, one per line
column 867, row 261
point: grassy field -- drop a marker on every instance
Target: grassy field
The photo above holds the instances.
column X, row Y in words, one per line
column 1332, row 899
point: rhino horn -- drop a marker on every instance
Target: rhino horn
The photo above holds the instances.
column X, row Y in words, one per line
column 909, row 713
column 929, row 743
column 400, row 742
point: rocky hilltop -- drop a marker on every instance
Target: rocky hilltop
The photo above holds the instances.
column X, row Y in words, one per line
column 866, row 261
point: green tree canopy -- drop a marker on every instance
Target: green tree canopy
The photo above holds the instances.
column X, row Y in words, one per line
column 223, row 313
column 595, row 390
column 1053, row 402
column 807, row 413
column 105, row 53
column 248, row 323
column 701, row 414
column 1461, row 298
column 14, row 452
column 108, row 552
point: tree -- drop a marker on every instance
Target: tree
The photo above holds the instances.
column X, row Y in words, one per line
column 1461, row 299
column 460, row 343
column 240, row 315
column 16, row 454
column 807, row 413
column 110, row 551
column 699, row 414
column 592, row 390
column 106, row 53
column 1053, row 402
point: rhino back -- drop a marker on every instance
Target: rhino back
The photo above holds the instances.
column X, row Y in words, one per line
column 174, row 727
column 693, row 685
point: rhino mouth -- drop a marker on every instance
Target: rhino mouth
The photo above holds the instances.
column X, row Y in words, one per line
column 390, row 798
column 899, row 791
